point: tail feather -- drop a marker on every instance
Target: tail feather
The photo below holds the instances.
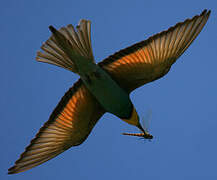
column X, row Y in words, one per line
column 56, row 49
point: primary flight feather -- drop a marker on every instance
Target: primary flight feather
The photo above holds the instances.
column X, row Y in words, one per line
column 102, row 87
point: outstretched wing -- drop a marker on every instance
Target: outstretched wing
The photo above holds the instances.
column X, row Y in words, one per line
column 151, row 59
column 69, row 125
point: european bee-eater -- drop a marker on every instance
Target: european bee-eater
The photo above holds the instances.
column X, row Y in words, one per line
column 103, row 87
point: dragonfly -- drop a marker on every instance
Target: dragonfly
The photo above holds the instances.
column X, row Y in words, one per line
column 103, row 87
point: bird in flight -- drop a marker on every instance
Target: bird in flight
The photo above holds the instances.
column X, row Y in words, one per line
column 103, row 87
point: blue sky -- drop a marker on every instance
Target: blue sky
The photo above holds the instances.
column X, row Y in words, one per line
column 183, row 103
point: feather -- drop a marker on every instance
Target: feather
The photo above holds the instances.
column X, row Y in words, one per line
column 77, row 42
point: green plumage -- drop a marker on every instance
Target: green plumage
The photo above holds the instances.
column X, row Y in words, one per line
column 109, row 94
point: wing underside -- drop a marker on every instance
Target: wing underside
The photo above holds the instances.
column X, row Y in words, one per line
column 151, row 59
column 69, row 125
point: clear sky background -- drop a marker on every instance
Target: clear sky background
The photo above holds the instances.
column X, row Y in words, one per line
column 183, row 103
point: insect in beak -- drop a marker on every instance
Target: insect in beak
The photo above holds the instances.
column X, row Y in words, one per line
column 143, row 135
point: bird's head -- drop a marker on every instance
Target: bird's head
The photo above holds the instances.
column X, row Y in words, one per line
column 134, row 120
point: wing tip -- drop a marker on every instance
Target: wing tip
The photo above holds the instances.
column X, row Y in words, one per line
column 206, row 11
column 12, row 170
column 52, row 29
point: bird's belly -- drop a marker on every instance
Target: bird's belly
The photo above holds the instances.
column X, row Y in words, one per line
column 109, row 94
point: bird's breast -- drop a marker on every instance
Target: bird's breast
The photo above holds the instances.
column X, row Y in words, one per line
column 107, row 92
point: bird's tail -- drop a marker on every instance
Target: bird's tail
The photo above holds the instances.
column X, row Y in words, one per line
column 67, row 44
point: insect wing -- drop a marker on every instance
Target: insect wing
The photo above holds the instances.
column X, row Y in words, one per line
column 146, row 120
